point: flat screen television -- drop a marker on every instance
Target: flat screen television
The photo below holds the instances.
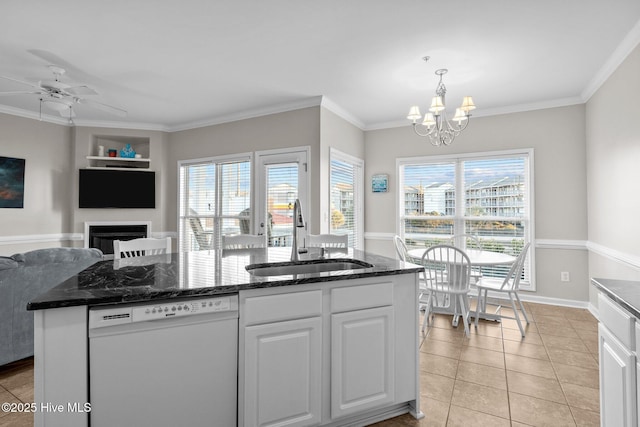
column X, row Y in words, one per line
column 103, row 188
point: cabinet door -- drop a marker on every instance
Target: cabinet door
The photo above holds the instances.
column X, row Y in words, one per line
column 282, row 373
column 618, row 406
column 362, row 360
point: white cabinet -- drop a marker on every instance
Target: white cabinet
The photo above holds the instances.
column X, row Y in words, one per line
column 281, row 356
column 282, row 373
column 336, row 353
column 362, row 362
column 618, row 365
column 617, row 381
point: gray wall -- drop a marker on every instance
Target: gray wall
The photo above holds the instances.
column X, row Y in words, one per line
column 297, row 128
column 557, row 136
column 613, row 164
column 46, row 215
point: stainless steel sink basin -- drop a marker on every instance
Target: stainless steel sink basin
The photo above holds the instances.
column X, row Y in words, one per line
column 306, row 267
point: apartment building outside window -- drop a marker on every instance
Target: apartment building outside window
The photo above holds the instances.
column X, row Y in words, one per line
column 488, row 195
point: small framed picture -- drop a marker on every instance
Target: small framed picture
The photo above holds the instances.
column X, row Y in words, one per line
column 380, row 183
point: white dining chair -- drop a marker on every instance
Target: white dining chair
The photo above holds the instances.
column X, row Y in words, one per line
column 141, row 247
column 328, row 241
column 510, row 285
column 401, row 248
column 403, row 254
column 244, row 241
column 447, row 274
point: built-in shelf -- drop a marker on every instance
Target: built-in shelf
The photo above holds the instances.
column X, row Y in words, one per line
column 98, row 162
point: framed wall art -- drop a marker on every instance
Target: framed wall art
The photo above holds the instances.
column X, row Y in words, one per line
column 11, row 182
column 380, row 183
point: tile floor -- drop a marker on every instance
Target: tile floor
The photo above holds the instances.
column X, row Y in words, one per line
column 493, row 378
column 497, row 378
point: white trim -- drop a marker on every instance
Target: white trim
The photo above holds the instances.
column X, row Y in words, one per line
column 623, row 50
column 88, row 224
column 299, row 104
column 628, row 260
column 580, row 245
column 341, row 112
column 375, row 235
column 530, row 297
column 40, row 238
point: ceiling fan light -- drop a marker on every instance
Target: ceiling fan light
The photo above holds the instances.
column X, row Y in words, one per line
column 414, row 113
column 436, row 105
column 467, row 104
column 55, row 105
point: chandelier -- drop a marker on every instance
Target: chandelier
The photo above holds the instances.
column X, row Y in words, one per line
column 436, row 126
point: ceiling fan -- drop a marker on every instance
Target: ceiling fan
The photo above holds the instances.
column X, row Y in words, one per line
column 60, row 96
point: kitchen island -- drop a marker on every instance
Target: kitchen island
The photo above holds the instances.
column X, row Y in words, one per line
column 345, row 342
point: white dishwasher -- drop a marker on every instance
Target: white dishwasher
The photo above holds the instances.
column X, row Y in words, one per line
column 164, row 364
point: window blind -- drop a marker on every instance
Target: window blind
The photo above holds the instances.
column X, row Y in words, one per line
column 345, row 216
column 486, row 196
column 215, row 200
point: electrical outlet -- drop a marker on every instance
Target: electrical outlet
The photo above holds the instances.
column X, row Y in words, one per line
column 564, row 276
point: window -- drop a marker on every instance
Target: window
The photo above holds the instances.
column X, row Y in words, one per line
column 345, row 216
column 214, row 200
column 488, row 195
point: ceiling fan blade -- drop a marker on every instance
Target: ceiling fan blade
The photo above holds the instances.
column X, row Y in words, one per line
column 20, row 92
column 104, row 107
column 20, row 81
column 81, row 90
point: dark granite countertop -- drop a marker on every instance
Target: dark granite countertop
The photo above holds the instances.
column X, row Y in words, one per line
column 195, row 274
column 624, row 292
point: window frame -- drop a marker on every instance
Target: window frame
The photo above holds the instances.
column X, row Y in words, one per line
column 460, row 216
column 217, row 217
column 358, row 192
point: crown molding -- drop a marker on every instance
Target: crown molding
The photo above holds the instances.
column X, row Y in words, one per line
column 342, row 113
column 631, row 40
column 58, row 120
column 120, row 125
column 487, row 112
column 314, row 101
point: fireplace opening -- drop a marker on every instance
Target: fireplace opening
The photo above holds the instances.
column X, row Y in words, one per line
column 102, row 236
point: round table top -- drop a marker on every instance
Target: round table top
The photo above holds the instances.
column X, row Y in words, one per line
column 476, row 257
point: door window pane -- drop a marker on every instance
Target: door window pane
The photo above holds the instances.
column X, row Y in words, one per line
column 282, row 192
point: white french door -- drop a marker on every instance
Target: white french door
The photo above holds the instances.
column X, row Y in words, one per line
column 281, row 179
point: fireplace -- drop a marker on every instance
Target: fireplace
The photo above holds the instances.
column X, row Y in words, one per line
column 101, row 235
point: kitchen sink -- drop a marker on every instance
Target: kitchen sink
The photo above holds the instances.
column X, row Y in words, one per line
column 306, row 267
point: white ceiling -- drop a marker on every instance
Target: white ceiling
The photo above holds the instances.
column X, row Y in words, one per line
column 179, row 64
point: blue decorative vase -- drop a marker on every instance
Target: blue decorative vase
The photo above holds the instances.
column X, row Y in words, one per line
column 127, row 152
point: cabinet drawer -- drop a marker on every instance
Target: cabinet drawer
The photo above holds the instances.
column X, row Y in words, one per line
column 360, row 297
column 617, row 320
column 276, row 308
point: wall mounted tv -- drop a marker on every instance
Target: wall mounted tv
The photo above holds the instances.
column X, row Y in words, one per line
column 103, row 188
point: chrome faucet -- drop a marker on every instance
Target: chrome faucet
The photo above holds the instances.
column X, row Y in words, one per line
column 298, row 222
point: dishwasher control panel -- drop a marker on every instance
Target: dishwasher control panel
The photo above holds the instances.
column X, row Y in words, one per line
column 118, row 315
column 181, row 308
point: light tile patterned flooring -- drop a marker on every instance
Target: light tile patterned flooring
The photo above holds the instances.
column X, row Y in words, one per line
column 494, row 378
column 497, row 378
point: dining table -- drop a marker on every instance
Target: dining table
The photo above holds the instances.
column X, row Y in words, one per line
column 477, row 258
